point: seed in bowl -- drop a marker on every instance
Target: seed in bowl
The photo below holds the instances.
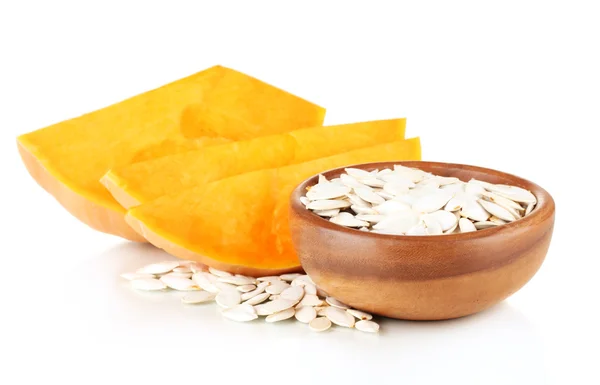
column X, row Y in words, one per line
column 409, row 201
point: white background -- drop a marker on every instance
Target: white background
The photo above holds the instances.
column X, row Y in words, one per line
column 511, row 85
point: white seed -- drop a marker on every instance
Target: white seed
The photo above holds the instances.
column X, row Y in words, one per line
column 319, row 324
column 328, row 204
column 497, row 210
column 205, row 281
column 360, row 314
column 237, row 280
column 199, row 296
column 158, row 268
column 327, row 191
column 311, row 289
column 275, row 306
column 385, row 195
column 500, row 200
column 398, row 223
column 277, row 287
column 348, row 220
column 132, row 276
column 497, row 220
column 179, row 283
column 419, row 229
column 290, row 277
column 476, row 188
column 363, row 210
column 322, row 179
column 219, row 273
column 178, row 275
column 274, row 297
column 368, row 195
column 240, row 313
column 446, row 219
column 473, row 210
column 327, row 213
column 321, row 311
column 246, row 288
column 182, row 269
column 432, row 226
column 529, row 208
column 454, row 187
column 225, row 286
column 397, row 188
column 310, row 300
column 485, row 225
column 305, row 314
column 373, row 182
column 339, row 317
column 350, row 181
column 466, row 225
column 259, row 298
column 293, row 293
column 149, row 284
column 514, row 193
column 358, row 173
column 301, row 281
column 228, row 298
column 391, row 207
column 271, row 278
column 282, row 315
column 305, row 201
column 446, row 180
column 335, row 303
column 367, row 326
column 196, row 267
column 432, row 202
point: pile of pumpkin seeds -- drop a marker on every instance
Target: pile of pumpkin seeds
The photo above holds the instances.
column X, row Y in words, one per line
column 409, row 201
column 244, row 298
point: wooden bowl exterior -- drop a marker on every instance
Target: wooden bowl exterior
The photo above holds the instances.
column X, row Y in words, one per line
column 424, row 277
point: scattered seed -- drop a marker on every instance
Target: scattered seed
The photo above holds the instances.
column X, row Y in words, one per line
column 289, row 277
column 306, row 314
column 179, row 283
column 277, row 287
column 275, row 306
column 260, row 298
column 272, row 278
column 360, row 314
column 259, row 289
column 158, row 268
column 367, row 326
column 205, row 281
column 237, row 280
column 339, row 317
column 228, row 298
column 293, row 293
column 280, row 316
column 218, row 273
column 310, row 300
column 309, row 288
column 466, row 226
column 199, row 296
column 319, row 324
column 246, row 288
column 334, row 302
column 182, row 269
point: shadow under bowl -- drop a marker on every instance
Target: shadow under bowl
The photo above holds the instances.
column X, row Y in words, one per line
column 423, row 277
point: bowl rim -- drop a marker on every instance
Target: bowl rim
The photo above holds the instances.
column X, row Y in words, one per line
column 545, row 203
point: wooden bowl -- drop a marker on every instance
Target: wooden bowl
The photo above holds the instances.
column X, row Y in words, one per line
column 423, row 277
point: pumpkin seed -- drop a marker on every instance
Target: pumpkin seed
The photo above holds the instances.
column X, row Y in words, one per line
column 277, row 287
column 219, row 273
column 334, row 302
column 275, row 306
column 237, row 280
column 319, row 324
column 466, row 225
column 339, row 317
column 199, row 296
column 259, row 298
column 205, row 281
column 246, row 288
column 361, row 315
column 179, row 283
column 305, row 314
column 282, row 315
column 293, row 293
column 228, row 298
column 367, row 326
column 158, row 268
column 328, row 204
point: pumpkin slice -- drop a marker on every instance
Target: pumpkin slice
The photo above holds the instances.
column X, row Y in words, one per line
column 68, row 159
column 145, row 181
column 239, row 224
column 266, row 113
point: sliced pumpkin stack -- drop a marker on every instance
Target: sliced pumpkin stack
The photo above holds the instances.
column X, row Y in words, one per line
column 68, row 159
column 203, row 167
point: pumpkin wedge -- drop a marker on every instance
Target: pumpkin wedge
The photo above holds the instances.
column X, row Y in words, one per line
column 145, row 181
column 239, row 224
column 68, row 159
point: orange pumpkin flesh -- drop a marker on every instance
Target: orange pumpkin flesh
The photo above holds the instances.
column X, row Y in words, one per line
column 240, row 224
column 68, row 159
column 145, row 181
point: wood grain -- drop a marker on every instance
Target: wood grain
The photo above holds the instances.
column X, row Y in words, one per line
column 424, row 277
